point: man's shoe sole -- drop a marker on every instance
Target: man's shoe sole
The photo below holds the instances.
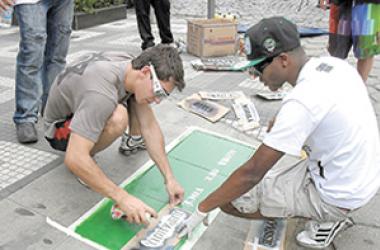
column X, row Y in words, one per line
column 127, row 152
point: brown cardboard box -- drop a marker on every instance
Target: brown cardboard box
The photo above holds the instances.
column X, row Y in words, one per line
column 211, row 37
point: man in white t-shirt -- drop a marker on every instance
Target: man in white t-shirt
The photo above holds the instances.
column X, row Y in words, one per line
column 329, row 115
column 45, row 28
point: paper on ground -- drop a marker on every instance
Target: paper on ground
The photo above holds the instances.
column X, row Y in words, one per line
column 212, row 111
column 245, row 110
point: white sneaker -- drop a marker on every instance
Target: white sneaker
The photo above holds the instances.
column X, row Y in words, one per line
column 320, row 235
column 131, row 145
column 180, row 45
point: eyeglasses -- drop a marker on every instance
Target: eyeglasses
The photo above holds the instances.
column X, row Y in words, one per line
column 258, row 69
column 158, row 90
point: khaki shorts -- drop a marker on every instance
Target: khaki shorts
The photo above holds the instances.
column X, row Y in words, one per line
column 288, row 192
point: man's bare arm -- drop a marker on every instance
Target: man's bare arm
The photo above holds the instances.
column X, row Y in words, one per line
column 80, row 162
column 5, row 4
column 243, row 179
column 153, row 137
column 154, row 141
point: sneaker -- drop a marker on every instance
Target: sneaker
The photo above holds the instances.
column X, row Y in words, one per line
column 130, row 4
column 26, row 132
column 320, row 235
column 179, row 45
column 146, row 45
column 131, row 145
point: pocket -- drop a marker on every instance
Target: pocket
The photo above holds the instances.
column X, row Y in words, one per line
column 333, row 213
column 273, row 202
column 248, row 202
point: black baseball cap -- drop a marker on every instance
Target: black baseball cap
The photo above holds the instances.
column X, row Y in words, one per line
column 268, row 38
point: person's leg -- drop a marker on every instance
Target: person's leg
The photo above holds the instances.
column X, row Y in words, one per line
column 130, row 4
column 326, row 221
column 61, row 135
column 340, row 37
column 142, row 8
column 231, row 210
column 290, row 192
column 162, row 11
column 278, row 195
column 59, row 20
column 114, row 128
column 132, row 141
column 287, row 192
column 29, row 68
column 364, row 67
column 365, row 29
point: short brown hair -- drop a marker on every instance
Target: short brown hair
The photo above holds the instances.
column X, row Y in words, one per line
column 166, row 62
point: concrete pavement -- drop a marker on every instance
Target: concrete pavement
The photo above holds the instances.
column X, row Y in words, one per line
column 34, row 183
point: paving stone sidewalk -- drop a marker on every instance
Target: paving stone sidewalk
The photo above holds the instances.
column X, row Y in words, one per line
column 34, row 183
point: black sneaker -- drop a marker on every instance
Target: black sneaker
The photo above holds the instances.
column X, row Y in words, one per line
column 130, row 4
column 26, row 132
column 146, row 45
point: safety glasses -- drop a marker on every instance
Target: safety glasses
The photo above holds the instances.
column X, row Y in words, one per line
column 158, row 90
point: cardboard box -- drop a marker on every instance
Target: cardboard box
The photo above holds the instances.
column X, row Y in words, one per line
column 212, row 37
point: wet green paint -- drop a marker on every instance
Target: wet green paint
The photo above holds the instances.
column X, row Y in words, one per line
column 200, row 162
column 100, row 228
column 209, row 151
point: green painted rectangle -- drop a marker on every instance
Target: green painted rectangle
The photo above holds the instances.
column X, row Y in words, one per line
column 102, row 229
column 192, row 179
column 210, row 151
column 200, row 162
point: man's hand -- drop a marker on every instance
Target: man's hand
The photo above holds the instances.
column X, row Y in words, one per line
column 175, row 192
column 192, row 222
column 5, row 4
column 323, row 4
column 135, row 210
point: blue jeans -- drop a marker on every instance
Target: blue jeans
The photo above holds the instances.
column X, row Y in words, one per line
column 45, row 29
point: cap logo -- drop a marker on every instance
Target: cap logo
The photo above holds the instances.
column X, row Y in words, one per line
column 269, row 44
column 247, row 46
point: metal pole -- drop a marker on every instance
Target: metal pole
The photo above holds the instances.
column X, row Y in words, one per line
column 210, row 9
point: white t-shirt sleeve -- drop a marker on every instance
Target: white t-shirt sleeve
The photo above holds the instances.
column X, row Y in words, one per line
column 293, row 125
